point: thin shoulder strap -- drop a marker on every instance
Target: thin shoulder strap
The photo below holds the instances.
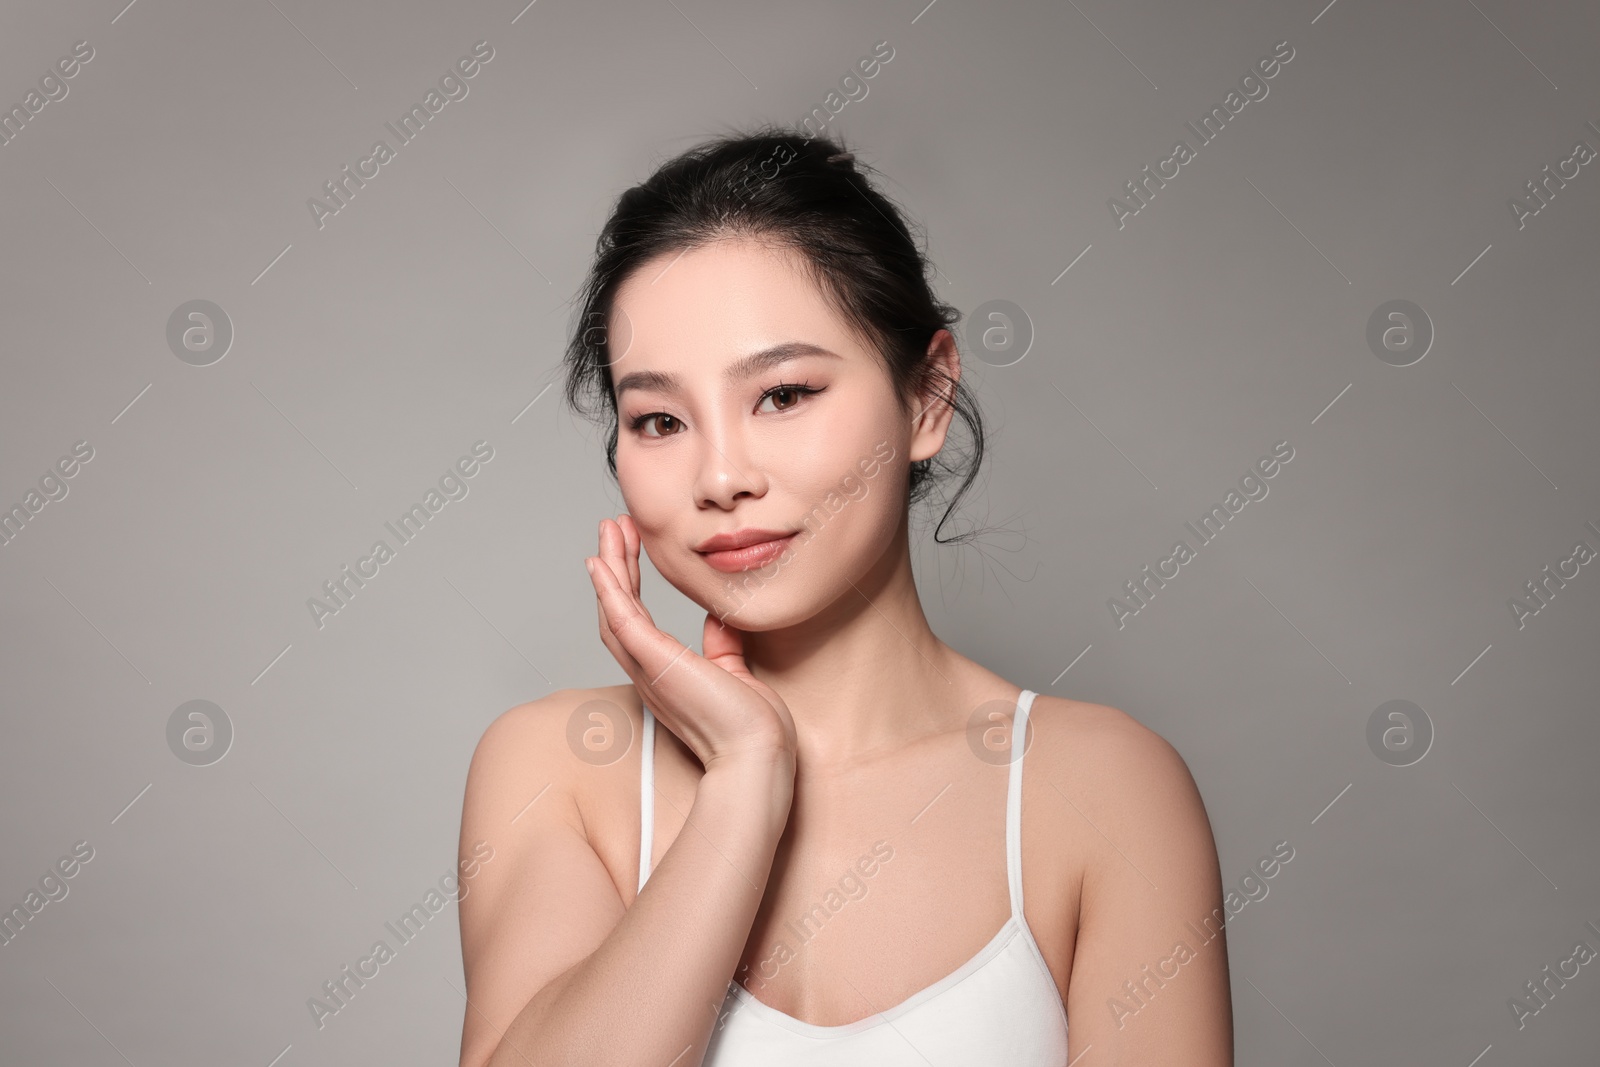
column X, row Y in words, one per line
column 1019, row 734
column 647, row 794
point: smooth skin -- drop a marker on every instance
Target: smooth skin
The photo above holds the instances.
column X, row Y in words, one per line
column 821, row 715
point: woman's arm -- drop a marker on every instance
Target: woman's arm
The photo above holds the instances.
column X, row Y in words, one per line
column 558, row 972
column 1149, row 980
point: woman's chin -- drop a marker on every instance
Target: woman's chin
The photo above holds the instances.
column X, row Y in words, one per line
column 767, row 609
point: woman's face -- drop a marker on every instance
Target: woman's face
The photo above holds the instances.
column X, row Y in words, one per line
column 746, row 403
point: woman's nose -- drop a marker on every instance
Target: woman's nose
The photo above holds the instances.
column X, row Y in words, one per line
column 726, row 470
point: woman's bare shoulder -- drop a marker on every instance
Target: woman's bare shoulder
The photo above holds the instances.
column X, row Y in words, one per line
column 556, row 738
column 1099, row 726
column 567, row 759
column 554, row 708
column 1149, row 879
column 1106, row 761
column 554, row 889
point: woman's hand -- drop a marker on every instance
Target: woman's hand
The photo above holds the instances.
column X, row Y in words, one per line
column 712, row 703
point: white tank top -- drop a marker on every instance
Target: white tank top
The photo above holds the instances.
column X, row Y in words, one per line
column 1001, row 1006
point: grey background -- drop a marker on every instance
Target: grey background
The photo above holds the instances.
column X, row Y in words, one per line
column 1228, row 315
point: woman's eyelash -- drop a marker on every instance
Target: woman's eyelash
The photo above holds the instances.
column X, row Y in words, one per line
column 802, row 388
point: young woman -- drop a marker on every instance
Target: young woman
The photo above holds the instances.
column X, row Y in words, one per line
column 806, row 844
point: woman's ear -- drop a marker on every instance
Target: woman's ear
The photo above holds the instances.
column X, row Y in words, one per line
column 935, row 398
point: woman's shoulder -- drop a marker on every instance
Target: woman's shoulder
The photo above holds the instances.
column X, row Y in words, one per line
column 1127, row 805
column 1143, row 864
column 562, row 703
column 1110, row 765
column 572, row 754
column 564, row 730
column 1098, row 725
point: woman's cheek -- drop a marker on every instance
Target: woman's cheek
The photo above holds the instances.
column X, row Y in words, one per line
column 648, row 486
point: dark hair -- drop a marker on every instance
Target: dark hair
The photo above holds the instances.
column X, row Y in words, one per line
column 808, row 194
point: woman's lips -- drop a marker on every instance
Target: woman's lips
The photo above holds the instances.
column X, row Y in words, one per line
column 733, row 560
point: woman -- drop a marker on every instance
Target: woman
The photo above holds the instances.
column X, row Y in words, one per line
column 831, row 818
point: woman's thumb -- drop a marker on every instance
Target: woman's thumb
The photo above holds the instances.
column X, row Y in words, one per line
column 723, row 645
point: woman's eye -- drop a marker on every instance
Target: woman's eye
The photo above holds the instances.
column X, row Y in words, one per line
column 645, row 420
column 791, row 395
column 783, row 397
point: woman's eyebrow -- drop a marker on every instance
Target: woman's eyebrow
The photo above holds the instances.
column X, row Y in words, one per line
column 740, row 369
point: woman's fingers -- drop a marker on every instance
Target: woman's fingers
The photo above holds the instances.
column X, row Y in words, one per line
column 607, row 548
column 614, row 550
column 608, row 557
column 711, row 701
column 603, row 566
column 624, row 659
column 630, row 548
column 631, row 626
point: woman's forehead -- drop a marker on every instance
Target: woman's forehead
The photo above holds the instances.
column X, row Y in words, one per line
column 720, row 274
column 719, row 303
